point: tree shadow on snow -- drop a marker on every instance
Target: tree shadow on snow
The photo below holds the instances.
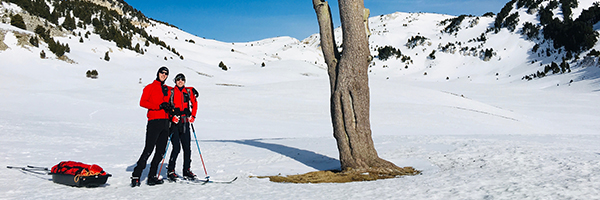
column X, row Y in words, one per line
column 309, row 158
column 590, row 70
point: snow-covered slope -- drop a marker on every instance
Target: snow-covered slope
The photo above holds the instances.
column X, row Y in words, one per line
column 460, row 53
column 475, row 135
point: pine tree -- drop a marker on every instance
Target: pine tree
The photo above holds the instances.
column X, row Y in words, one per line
column 223, row 66
column 69, row 23
column 57, row 48
column 34, row 41
column 17, row 21
column 431, row 55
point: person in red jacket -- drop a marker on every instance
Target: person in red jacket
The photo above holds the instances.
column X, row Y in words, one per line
column 155, row 98
column 184, row 102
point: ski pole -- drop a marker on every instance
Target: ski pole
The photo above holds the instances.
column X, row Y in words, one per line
column 29, row 167
column 40, row 168
column 164, row 155
column 199, row 152
column 30, row 170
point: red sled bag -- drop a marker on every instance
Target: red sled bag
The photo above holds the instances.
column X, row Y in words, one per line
column 78, row 174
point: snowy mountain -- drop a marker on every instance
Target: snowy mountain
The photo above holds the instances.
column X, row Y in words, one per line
column 441, row 47
column 450, row 100
column 511, row 44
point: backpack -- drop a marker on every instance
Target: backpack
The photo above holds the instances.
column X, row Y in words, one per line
column 186, row 97
column 77, row 169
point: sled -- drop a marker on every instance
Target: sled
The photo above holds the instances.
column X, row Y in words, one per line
column 71, row 173
column 80, row 181
column 79, row 174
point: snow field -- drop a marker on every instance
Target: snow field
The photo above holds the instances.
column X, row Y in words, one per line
column 474, row 136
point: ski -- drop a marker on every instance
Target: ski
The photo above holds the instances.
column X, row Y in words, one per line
column 222, row 182
column 203, row 181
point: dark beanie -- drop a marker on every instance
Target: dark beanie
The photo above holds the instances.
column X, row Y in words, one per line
column 179, row 76
column 161, row 69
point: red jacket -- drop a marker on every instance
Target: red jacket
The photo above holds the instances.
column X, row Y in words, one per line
column 178, row 100
column 152, row 97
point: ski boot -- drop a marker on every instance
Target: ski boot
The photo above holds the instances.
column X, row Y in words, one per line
column 135, row 181
column 154, row 181
column 172, row 176
column 187, row 174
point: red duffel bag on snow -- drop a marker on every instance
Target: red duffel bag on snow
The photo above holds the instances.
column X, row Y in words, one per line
column 79, row 174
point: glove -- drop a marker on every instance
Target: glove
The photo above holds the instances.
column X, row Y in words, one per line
column 175, row 119
column 165, row 90
column 191, row 119
column 166, row 106
column 176, row 111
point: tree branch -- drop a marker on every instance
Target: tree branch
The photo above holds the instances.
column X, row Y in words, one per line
column 330, row 51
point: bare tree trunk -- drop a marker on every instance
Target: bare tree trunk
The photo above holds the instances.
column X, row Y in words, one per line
column 349, row 81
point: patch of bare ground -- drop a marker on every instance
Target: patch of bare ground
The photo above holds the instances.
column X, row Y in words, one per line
column 67, row 59
column 3, row 46
column 348, row 175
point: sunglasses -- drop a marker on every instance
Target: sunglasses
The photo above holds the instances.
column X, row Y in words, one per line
column 165, row 73
column 180, row 79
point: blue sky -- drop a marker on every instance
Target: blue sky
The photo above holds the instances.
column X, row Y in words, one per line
column 250, row 20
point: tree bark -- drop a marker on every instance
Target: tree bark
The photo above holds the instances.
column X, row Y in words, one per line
column 349, row 82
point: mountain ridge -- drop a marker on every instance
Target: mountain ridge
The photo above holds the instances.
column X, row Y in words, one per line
column 427, row 46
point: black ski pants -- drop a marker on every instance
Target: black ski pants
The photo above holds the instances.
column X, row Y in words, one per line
column 157, row 135
column 180, row 138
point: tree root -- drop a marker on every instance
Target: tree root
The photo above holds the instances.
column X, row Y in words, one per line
column 348, row 175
